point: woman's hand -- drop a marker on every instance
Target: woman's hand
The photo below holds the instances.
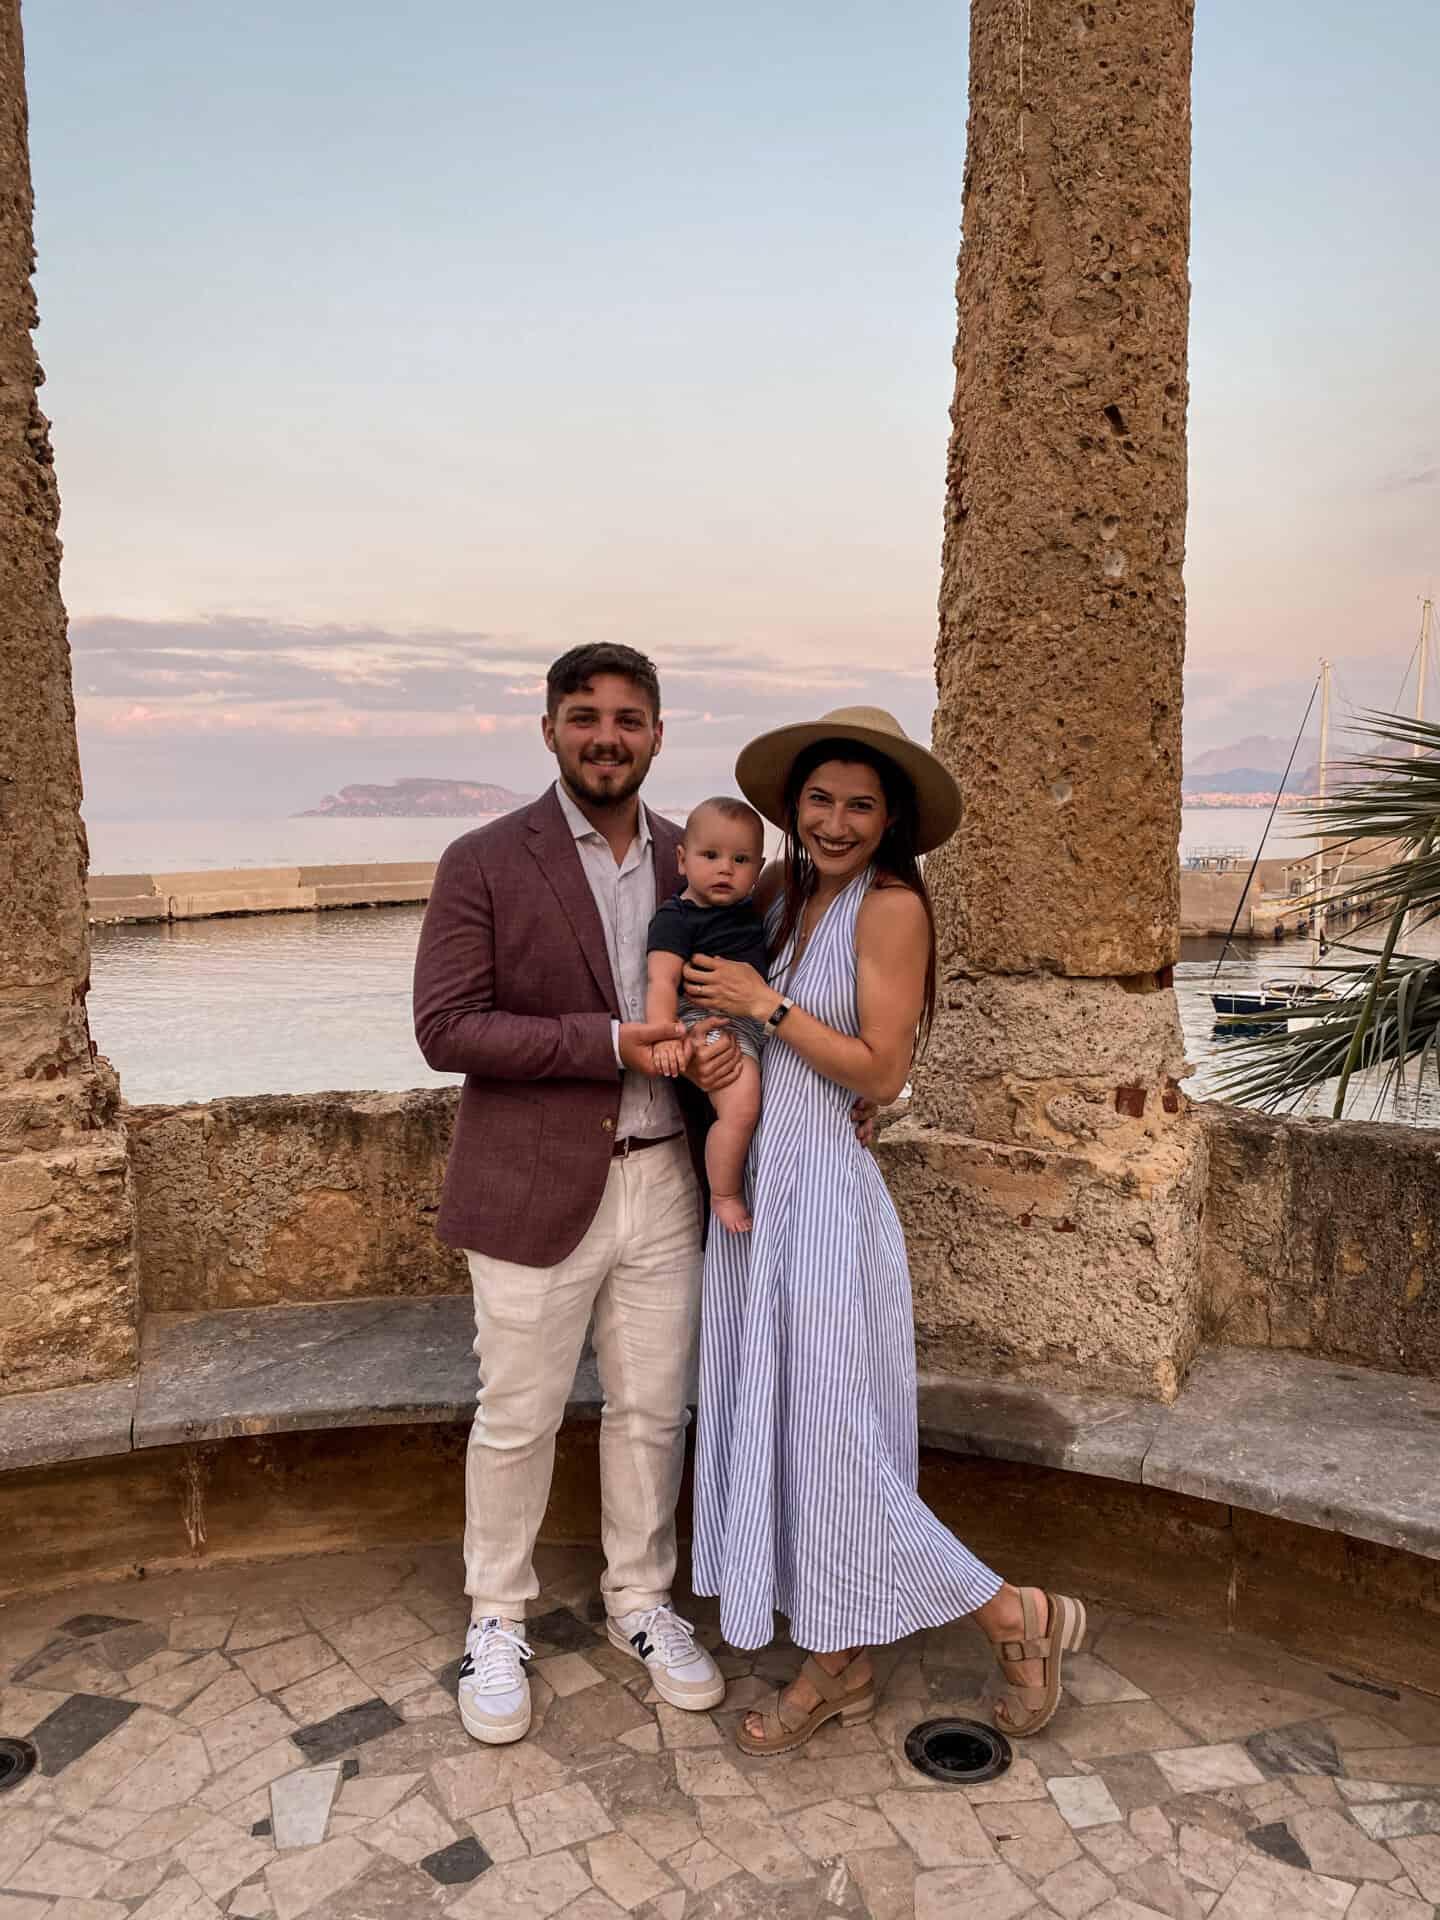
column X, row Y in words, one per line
column 729, row 987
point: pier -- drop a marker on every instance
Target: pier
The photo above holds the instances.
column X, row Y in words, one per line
column 1212, row 882
column 122, row 899
column 1217, row 890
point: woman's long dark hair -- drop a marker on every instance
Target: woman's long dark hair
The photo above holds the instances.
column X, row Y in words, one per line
column 895, row 857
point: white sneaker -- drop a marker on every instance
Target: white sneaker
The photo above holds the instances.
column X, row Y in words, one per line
column 494, row 1688
column 680, row 1671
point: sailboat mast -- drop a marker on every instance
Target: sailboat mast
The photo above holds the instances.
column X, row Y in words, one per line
column 1427, row 612
column 1317, row 917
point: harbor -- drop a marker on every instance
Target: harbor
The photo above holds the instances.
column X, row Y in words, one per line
column 1226, row 892
column 1218, row 891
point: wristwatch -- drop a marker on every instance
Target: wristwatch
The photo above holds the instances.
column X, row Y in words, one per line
column 778, row 1015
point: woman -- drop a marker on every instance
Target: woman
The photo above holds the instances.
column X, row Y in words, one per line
column 805, row 1495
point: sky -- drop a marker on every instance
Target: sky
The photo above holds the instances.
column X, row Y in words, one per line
column 393, row 350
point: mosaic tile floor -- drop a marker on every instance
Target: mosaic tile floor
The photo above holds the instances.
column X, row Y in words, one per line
column 282, row 1741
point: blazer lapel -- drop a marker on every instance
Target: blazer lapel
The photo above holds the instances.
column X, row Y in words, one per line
column 558, row 859
column 664, row 840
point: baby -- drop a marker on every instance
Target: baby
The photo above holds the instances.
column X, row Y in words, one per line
column 720, row 858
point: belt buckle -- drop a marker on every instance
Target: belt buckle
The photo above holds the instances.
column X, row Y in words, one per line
column 621, row 1149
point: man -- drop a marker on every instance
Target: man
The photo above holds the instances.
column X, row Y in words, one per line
column 572, row 1184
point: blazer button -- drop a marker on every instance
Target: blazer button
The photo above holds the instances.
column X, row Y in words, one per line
column 607, row 1126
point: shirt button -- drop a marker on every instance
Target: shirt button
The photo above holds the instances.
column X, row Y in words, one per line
column 607, row 1126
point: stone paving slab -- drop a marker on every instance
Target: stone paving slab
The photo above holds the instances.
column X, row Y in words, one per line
column 210, row 1376
column 68, row 1423
column 1348, row 1449
column 1189, row 1775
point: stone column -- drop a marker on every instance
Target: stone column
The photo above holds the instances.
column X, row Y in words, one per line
column 1050, row 1175
column 67, row 1268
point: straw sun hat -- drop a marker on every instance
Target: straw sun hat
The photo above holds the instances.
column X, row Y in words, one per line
column 764, row 767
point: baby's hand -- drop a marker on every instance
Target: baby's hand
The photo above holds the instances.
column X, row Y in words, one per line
column 672, row 1057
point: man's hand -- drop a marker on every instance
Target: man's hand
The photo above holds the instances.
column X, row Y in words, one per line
column 640, row 1038
column 715, row 1059
column 672, row 1057
column 862, row 1118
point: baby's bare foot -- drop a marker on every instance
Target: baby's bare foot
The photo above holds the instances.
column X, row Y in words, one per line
column 731, row 1211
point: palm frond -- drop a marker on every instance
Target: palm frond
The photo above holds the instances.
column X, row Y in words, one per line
column 1290, row 1060
column 1380, row 1011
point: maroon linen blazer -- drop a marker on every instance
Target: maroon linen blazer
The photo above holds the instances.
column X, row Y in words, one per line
column 513, row 989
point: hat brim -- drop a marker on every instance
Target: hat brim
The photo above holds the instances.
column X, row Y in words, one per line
column 763, row 769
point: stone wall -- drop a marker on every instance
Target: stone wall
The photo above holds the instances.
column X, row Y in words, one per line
column 1323, row 1235
column 326, row 1196
column 1316, row 1235
column 67, row 1276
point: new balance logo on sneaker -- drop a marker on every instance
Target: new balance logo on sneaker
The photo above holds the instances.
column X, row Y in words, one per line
column 682, row 1673
column 493, row 1689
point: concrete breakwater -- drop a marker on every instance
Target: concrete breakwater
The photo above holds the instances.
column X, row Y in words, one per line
column 1207, row 899
column 119, row 899
column 1217, row 892
column 1275, row 905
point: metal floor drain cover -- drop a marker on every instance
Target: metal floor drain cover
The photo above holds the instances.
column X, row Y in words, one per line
column 960, row 1752
column 17, row 1759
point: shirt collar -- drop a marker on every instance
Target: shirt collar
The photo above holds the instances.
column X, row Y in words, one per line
column 581, row 828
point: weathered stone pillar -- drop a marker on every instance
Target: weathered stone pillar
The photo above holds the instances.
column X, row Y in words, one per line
column 67, row 1268
column 1049, row 1173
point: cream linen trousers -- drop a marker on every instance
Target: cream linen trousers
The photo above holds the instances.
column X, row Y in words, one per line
column 637, row 1273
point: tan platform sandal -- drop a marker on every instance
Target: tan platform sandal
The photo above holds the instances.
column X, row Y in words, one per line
column 788, row 1727
column 1021, row 1711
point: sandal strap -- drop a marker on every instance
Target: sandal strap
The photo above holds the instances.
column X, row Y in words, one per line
column 829, row 1686
column 1018, row 1694
column 1015, row 1650
column 1038, row 1640
column 782, row 1718
column 1017, row 1704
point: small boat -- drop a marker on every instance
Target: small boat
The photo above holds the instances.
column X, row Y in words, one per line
column 1274, row 996
column 1234, row 1006
column 1288, row 997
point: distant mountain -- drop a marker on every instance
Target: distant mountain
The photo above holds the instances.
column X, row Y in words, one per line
column 1244, row 756
column 1253, row 780
column 416, row 800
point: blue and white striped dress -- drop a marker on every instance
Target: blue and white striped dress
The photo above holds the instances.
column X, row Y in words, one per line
column 807, row 1455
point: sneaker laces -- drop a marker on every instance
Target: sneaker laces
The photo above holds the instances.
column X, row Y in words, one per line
column 674, row 1637
column 496, row 1656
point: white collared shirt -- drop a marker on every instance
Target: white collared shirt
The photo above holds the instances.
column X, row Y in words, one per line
column 624, row 896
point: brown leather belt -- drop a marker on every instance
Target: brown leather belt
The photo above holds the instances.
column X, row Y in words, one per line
column 623, row 1149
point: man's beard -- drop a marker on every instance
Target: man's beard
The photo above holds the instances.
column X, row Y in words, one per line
column 606, row 783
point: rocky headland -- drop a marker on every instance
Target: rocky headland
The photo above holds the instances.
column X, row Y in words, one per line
column 416, row 800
